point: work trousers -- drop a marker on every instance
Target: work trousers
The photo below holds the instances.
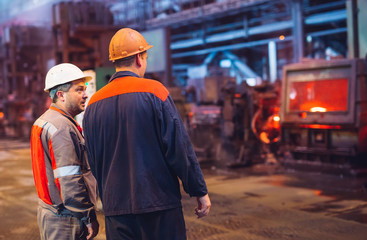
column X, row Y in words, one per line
column 59, row 226
column 160, row 225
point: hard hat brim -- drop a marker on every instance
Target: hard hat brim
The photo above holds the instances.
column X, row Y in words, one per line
column 86, row 79
column 131, row 54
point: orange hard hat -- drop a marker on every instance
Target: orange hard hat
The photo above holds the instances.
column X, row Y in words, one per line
column 127, row 42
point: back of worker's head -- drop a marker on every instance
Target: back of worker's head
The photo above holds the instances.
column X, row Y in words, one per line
column 60, row 78
column 125, row 44
column 128, row 61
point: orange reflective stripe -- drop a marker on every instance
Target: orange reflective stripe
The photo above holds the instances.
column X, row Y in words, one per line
column 129, row 85
column 38, row 165
column 53, row 161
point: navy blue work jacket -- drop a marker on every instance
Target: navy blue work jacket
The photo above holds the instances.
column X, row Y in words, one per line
column 138, row 147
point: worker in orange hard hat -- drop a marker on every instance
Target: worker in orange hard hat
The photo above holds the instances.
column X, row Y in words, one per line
column 138, row 148
column 66, row 188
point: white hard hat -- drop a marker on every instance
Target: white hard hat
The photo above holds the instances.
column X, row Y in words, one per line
column 63, row 73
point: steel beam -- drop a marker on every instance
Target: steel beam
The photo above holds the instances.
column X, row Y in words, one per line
column 240, row 65
column 298, row 31
column 327, row 32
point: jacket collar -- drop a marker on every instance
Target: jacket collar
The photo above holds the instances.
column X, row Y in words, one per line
column 123, row 74
column 67, row 115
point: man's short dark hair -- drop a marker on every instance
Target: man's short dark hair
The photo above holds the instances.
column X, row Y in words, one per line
column 126, row 62
column 62, row 87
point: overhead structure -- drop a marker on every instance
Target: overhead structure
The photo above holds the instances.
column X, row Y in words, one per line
column 243, row 27
column 81, row 33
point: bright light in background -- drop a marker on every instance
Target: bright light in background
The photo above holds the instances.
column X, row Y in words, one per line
column 251, row 81
column 318, row 109
column 318, row 192
column 309, row 39
column 293, row 94
column 225, row 63
column 281, row 37
column 276, row 118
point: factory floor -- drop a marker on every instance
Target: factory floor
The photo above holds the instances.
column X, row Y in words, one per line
column 264, row 201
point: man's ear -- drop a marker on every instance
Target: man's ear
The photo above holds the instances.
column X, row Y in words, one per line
column 60, row 95
column 138, row 60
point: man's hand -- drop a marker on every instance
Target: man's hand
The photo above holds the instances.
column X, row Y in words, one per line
column 203, row 206
column 93, row 229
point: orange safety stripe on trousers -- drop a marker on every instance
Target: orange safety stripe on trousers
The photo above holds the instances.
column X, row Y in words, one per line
column 38, row 165
column 130, row 84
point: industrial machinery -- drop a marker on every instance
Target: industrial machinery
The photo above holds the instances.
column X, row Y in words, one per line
column 26, row 51
column 204, row 117
column 235, row 124
column 265, row 122
column 323, row 115
column 81, row 33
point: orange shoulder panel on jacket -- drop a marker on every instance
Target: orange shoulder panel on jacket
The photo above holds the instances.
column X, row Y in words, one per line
column 130, row 85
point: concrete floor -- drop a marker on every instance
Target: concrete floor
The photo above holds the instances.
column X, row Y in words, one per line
column 261, row 202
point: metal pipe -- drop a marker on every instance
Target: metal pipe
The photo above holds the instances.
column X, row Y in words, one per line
column 355, row 29
column 320, row 18
column 298, row 31
column 313, row 19
column 232, row 35
column 327, row 32
column 229, row 47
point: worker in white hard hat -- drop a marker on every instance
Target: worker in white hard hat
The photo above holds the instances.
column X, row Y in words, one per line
column 138, row 150
column 66, row 188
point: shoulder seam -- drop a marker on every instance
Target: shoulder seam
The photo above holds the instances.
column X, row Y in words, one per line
column 129, row 84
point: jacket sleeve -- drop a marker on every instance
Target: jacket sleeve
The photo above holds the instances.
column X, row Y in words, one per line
column 66, row 155
column 179, row 152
